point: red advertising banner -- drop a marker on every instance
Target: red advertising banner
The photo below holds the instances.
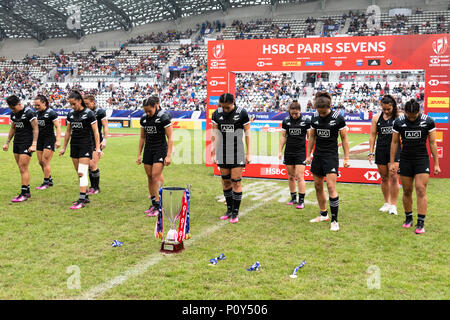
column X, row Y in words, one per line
column 4, row 120
column 428, row 52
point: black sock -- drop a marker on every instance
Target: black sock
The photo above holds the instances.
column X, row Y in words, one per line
column 46, row 180
column 301, row 198
column 237, row 197
column 421, row 219
column 293, row 196
column 229, row 199
column 409, row 216
column 156, row 205
column 83, row 196
column 324, row 213
column 91, row 178
column 50, row 179
column 334, row 206
column 24, row 190
column 96, row 179
column 153, row 201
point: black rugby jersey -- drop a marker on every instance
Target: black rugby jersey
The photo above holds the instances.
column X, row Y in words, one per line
column 100, row 114
column 22, row 124
column 296, row 130
column 81, row 123
column 45, row 122
column 384, row 130
column 154, row 128
column 230, row 147
column 414, row 136
column 327, row 133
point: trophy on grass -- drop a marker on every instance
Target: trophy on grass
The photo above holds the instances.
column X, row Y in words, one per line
column 174, row 206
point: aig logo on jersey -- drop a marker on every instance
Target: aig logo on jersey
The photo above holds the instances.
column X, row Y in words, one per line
column 41, row 123
column 150, row 129
column 77, row 125
column 295, row 131
column 18, row 125
column 386, row 130
column 227, row 127
column 323, row 133
column 413, row 134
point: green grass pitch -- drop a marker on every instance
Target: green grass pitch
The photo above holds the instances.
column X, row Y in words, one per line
column 51, row 252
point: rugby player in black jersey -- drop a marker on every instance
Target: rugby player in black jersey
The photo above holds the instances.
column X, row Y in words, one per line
column 230, row 123
column 294, row 130
column 156, row 125
column 326, row 127
column 414, row 128
column 47, row 140
column 381, row 131
column 81, row 125
column 102, row 123
column 24, row 129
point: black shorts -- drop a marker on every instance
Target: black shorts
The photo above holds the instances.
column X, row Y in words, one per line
column 46, row 143
column 410, row 168
column 294, row 159
column 230, row 166
column 321, row 166
column 154, row 156
column 383, row 155
column 81, row 151
column 21, row 148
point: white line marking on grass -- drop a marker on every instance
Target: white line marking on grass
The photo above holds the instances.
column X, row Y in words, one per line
column 153, row 259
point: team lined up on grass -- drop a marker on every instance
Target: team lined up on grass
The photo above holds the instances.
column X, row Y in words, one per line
column 34, row 132
column 231, row 126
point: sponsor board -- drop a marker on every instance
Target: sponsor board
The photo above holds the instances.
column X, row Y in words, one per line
column 439, row 136
column 314, row 63
column 214, row 100
column 4, row 120
column 291, row 63
column 439, row 117
column 440, row 151
column 438, row 102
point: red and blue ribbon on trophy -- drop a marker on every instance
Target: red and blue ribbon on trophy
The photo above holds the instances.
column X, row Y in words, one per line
column 184, row 225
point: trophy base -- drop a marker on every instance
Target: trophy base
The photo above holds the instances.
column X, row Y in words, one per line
column 170, row 247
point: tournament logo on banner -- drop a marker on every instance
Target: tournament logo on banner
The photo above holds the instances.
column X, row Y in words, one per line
column 218, row 51
column 440, row 45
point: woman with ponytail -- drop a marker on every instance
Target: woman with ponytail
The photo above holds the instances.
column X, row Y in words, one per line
column 81, row 126
column 414, row 128
column 381, row 130
column 47, row 141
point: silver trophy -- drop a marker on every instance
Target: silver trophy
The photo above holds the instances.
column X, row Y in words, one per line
column 172, row 208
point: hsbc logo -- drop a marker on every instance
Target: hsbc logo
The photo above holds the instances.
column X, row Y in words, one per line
column 218, row 51
column 413, row 134
column 214, row 64
column 433, row 82
column 260, row 64
column 215, row 83
column 440, row 45
column 272, row 171
column 372, row 175
column 435, row 60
